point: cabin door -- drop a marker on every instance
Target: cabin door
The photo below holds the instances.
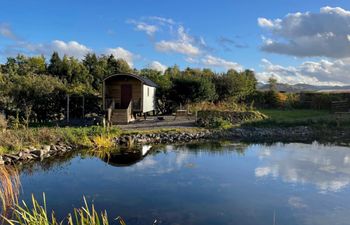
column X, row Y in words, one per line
column 126, row 95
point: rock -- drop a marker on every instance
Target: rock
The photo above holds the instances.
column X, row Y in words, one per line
column 46, row 148
column 2, row 162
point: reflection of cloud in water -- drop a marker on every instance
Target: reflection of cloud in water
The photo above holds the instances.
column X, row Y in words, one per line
column 175, row 160
column 296, row 202
column 327, row 167
column 147, row 162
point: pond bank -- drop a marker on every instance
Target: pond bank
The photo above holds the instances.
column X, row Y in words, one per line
column 163, row 136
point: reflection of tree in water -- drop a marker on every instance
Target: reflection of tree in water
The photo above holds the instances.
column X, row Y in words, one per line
column 214, row 147
column 125, row 156
column 55, row 162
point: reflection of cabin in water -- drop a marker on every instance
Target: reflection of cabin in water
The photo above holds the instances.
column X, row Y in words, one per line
column 125, row 95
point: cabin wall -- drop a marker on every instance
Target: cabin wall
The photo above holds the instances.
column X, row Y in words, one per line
column 149, row 96
column 113, row 89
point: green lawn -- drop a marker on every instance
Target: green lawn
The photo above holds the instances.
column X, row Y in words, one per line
column 301, row 117
column 298, row 114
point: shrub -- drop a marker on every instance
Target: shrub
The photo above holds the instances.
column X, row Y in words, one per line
column 220, row 123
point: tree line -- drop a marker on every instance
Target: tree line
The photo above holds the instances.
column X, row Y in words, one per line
column 34, row 88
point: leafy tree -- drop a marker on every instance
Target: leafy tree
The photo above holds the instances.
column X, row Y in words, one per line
column 173, row 71
column 40, row 96
column 187, row 89
column 55, row 65
column 97, row 68
column 272, row 84
column 117, row 66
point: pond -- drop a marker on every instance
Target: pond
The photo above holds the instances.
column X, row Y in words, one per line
column 209, row 183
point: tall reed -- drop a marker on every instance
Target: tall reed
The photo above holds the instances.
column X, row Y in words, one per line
column 9, row 188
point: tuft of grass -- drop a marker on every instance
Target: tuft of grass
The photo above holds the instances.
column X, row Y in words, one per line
column 19, row 139
column 38, row 215
column 9, row 188
column 102, row 142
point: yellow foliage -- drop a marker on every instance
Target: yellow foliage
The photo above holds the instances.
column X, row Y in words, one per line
column 102, row 141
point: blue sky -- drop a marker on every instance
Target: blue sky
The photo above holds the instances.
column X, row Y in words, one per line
column 215, row 34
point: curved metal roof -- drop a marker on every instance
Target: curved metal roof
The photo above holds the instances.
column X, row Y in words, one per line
column 144, row 80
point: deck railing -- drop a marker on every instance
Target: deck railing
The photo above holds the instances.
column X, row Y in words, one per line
column 114, row 104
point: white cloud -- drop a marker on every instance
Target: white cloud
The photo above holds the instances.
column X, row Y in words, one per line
column 142, row 26
column 183, row 45
column 6, row 31
column 263, row 22
column 323, row 72
column 210, row 60
column 162, row 20
column 121, row 53
column 71, row 48
column 155, row 65
column 309, row 34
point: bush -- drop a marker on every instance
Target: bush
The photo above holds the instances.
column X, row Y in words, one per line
column 217, row 119
column 220, row 123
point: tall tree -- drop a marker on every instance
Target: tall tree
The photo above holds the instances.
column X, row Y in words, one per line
column 55, row 65
column 117, row 65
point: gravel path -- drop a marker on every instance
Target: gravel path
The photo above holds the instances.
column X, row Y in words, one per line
column 154, row 122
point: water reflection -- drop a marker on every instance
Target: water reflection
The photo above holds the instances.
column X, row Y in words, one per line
column 203, row 183
column 326, row 166
column 126, row 157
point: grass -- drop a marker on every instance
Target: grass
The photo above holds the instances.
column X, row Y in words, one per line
column 15, row 140
column 9, row 188
column 37, row 214
column 301, row 117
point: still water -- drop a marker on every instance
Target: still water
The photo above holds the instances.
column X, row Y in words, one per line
column 211, row 183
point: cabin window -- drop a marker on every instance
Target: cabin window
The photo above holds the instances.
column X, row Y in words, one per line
column 147, row 91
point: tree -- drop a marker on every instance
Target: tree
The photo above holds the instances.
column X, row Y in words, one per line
column 272, row 84
column 41, row 96
column 187, row 89
column 236, row 85
column 97, row 67
column 115, row 66
column 55, row 65
column 173, row 71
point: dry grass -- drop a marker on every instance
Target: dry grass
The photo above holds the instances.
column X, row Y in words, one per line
column 3, row 122
column 9, row 188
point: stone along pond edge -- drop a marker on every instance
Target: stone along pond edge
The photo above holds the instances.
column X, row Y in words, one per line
column 246, row 134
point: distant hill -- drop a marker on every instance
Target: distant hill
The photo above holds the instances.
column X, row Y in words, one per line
column 303, row 88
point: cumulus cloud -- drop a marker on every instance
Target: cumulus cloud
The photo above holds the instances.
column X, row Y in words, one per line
column 213, row 61
column 71, row 48
column 183, row 45
column 323, row 72
column 155, row 65
column 309, row 34
column 121, row 53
